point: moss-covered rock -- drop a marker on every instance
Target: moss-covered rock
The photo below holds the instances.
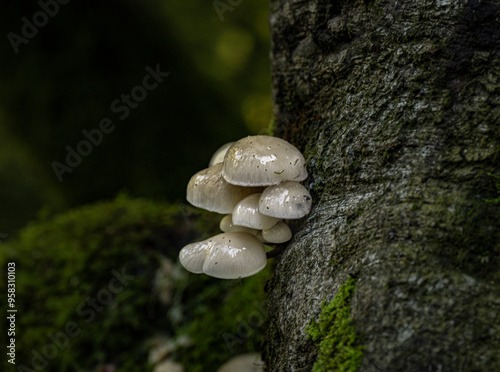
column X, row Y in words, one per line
column 225, row 323
column 88, row 289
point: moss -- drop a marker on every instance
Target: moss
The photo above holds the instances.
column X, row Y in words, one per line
column 497, row 185
column 270, row 129
column 107, row 253
column 225, row 323
column 339, row 349
column 65, row 261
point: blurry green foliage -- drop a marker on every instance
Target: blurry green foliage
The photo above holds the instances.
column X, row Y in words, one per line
column 497, row 185
column 225, row 324
column 64, row 261
column 66, row 77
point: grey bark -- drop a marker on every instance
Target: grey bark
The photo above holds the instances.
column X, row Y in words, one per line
column 395, row 105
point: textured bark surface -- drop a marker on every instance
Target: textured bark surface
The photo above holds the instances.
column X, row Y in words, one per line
column 396, row 107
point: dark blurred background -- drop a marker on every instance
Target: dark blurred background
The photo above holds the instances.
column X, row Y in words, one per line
column 64, row 79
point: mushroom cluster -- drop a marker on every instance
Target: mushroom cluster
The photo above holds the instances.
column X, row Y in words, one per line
column 255, row 182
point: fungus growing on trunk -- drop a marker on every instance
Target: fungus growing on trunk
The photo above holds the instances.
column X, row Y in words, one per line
column 246, row 213
column 279, row 233
column 227, row 225
column 288, row 200
column 225, row 256
column 263, row 161
column 208, row 190
column 255, row 213
column 218, row 156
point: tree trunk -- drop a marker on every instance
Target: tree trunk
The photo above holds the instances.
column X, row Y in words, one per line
column 395, row 106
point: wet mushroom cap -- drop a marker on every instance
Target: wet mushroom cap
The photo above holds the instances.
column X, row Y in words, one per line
column 280, row 233
column 250, row 362
column 288, row 200
column 234, row 255
column 192, row 256
column 207, row 189
column 246, row 213
column 218, row 156
column 263, row 161
column 226, row 225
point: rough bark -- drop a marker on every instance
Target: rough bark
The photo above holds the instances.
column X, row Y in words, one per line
column 395, row 105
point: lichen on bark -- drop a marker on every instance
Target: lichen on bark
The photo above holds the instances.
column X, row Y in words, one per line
column 395, row 106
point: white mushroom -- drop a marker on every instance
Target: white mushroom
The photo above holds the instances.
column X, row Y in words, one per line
column 225, row 256
column 246, row 213
column 263, row 161
column 234, row 255
column 234, row 187
column 288, row 200
column 250, row 362
column 192, row 256
column 218, row 155
column 227, row 225
column 208, row 190
column 168, row 366
column 277, row 234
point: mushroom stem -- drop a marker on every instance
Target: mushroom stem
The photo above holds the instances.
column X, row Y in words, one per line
column 276, row 251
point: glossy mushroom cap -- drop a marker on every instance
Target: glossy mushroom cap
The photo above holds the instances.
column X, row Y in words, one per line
column 225, row 256
column 208, row 190
column 227, row 225
column 234, row 255
column 192, row 256
column 218, row 156
column 250, row 362
column 246, row 213
column 279, row 233
column 263, row 161
column 288, row 200
column 168, row 366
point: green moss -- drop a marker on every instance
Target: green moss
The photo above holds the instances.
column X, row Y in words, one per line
column 497, row 185
column 64, row 263
column 334, row 333
column 224, row 323
column 271, row 127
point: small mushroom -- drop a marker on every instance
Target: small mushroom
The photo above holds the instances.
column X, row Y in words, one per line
column 263, row 161
column 277, row 234
column 288, row 200
column 226, row 225
column 168, row 366
column 208, row 190
column 225, row 256
column 218, row 156
column 246, row 213
column 250, row 362
column 193, row 255
column 235, row 255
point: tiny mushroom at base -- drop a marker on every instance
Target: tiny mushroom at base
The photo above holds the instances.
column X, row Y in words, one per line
column 250, row 362
column 168, row 366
